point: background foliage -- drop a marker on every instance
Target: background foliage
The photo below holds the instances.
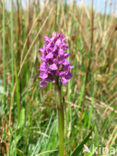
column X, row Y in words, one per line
column 28, row 117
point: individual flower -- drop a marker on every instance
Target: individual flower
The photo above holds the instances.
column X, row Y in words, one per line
column 55, row 65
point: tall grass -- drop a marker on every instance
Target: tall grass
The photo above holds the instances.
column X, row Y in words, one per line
column 28, row 122
column 12, row 41
column 4, row 49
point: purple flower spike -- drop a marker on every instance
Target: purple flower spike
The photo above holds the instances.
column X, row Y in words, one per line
column 55, row 65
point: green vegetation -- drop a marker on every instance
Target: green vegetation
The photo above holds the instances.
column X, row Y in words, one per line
column 28, row 115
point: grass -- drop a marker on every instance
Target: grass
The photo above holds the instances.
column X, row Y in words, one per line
column 28, row 116
column 4, row 50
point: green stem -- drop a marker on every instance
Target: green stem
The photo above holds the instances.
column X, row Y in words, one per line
column 60, row 109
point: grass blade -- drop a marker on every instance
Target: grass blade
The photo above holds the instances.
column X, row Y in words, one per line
column 80, row 147
column 4, row 51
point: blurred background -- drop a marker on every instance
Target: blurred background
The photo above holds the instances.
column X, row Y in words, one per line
column 28, row 117
column 99, row 5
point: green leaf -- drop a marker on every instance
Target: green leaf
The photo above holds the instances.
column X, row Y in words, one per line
column 82, row 92
column 13, row 145
column 80, row 147
column 2, row 91
column 22, row 118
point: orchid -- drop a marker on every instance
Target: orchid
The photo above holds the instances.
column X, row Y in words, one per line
column 54, row 60
column 55, row 67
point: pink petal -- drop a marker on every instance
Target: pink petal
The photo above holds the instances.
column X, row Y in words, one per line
column 43, row 75
column 64, row 80
column 68, row 75
column 43, row 84
column 43, row 67
column 49, row 56
column 53, row 66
